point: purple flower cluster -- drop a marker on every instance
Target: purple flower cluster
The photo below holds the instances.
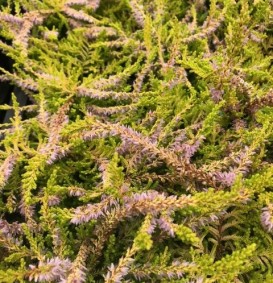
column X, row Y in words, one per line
column 90, row 3
column 116, row 273
column 6, row 168
column 153, row 202
column 198, row 280
column 203, row 221
column 176, row 270
column 101, row 94
column 23, row 209
column 76, row 191
column 267, row 218
column 52, row 149
column 138, row 13
column 225, row 178
column 216, row 94
column 92, row 211
column 53, row 200
column 151, row 227
column 78, row 275
column 243, row 160
column 114, row 80
column 49, row 270
column 11, row 19
column 157, row 131
column 165, row 223
column 56, row 152
column 90, row 135
column 9, row 230
column 107, row 111
column 186, row 149
column 116, row 277
column 78, row 15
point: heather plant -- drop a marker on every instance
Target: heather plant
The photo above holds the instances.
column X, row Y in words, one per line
column 145, row 154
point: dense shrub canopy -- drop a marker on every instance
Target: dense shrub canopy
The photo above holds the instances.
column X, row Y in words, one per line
column 145, row 154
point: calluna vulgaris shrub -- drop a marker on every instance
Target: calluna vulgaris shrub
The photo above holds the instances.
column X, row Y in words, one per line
column 146, row 152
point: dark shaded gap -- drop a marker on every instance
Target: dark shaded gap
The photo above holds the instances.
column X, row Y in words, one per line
column 6, row 89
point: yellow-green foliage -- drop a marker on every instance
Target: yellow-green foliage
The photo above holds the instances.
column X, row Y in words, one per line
column 145, row 153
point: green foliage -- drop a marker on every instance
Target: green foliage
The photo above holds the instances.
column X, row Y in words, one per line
column 186, row 235
column 232, row 265
column 146, row 152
